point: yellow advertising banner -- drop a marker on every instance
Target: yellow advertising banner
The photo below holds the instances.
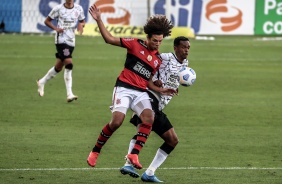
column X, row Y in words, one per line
column 133, row 31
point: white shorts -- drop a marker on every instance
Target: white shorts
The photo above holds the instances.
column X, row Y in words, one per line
column 124, row 98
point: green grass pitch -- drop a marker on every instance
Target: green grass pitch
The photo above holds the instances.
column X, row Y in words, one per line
column 228, row 123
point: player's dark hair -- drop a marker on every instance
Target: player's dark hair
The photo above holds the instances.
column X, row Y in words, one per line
column 158, row 24
column 177, row 40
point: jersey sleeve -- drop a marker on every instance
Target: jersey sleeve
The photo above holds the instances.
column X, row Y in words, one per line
column 81, row 15
column 165, row 56
column 54, row 13
column 128, row 42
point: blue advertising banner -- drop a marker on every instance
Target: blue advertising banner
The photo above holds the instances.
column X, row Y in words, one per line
column 10, row 15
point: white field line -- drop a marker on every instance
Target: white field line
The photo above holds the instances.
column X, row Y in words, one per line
column 177, row 168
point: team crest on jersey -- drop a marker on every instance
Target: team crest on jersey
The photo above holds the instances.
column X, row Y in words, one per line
column 118, row 101
column 149, row 58
column 66, row 52
column 156, row 62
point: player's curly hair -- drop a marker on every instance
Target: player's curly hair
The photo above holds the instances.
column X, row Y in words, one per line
column 158, row 24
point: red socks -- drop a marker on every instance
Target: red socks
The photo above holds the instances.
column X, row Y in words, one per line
column 103, row 137
column 142, row 136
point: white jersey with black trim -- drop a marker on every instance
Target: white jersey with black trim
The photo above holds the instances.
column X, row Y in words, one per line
column 67, row 19
column 167, row 73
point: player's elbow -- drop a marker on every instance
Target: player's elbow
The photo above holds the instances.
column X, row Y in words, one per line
column 47, row 21
column 112, row 40
column 109, row 41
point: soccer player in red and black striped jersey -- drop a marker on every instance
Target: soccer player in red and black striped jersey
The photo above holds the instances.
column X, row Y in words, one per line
column 142, row 62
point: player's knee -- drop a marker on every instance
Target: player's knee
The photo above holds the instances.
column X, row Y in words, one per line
column 170, row 138
column 147, row 116
column 57, row 69
column 69, row 66
column 114, row 124
column 116, row 121
column 172, row 142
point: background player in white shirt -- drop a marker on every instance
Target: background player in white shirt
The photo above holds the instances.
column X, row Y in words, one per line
column 69, row 16
column 166, row 77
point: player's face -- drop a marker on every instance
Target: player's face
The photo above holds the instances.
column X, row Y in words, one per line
column 154, row 42
column 182, row 50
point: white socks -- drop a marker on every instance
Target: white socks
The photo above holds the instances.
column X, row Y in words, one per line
column 158, row 160
column 67, row 77
column 131, row 145
column 68, row 81
column 50, row 74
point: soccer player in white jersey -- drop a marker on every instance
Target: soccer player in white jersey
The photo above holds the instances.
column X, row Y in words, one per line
column 69, row 16
column 167, row 78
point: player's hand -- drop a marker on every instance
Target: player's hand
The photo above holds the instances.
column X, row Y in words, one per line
column 95, row 12
column 59, row 30
column 168, row 91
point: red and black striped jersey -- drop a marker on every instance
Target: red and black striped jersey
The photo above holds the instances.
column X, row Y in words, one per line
column 139, row 65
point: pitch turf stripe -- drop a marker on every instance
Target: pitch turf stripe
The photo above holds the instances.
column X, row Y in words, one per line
column 273, row 59
column 177, row 168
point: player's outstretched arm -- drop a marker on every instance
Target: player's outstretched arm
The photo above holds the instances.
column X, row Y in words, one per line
column 96, row 15
column 161, row 90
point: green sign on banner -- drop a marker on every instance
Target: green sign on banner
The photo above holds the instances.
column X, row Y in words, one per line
column 268, row 19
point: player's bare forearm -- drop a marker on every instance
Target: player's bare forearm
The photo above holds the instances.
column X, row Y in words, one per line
column 80, row 27
column 168, row 91
column 48, row 22
column 160, row 89
column 152, row 86
column 158, row 83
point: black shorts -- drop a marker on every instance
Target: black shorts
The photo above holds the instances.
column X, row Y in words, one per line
column 64, row 51
column 161, row 123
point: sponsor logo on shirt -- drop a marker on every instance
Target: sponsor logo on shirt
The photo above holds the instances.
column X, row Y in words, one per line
column 139, row 68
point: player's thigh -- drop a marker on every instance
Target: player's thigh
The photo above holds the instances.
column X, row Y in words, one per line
column 64, row 51
column 163, row 127
column 67, row 61
column 59, row 64
column 117, row 120
column 140, row 103
column 121, row 100
column 144, row 110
